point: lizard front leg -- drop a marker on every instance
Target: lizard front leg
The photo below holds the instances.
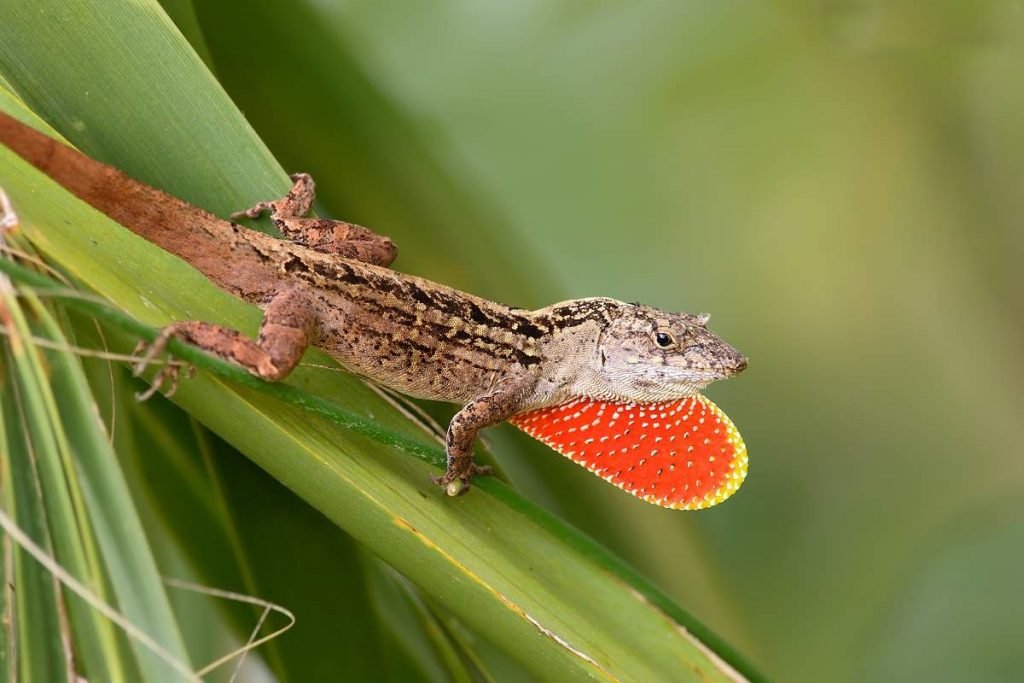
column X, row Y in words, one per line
column 462, row 430
column 288, row 326
column 329, row 236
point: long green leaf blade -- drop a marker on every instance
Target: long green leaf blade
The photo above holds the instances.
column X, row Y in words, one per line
column 33, row 633
column 43, row 432
column 127, row 558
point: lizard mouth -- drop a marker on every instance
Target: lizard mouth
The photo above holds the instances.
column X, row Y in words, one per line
column 725, row 372
column 711, row 374
column 691, row 381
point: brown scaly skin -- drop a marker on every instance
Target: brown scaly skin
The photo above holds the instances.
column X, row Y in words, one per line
column 328, row 286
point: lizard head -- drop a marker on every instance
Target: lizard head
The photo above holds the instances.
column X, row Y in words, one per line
column 649, row 355
column 636, row 372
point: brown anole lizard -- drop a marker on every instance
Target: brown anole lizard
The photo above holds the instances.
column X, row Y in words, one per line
column 596, row 362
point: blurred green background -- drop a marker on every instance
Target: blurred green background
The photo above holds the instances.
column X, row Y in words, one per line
column 838, row 183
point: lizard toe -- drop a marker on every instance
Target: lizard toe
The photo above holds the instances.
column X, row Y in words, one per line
column 454, row 484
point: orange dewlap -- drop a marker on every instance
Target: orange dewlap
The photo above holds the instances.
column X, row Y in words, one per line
column 684, row 454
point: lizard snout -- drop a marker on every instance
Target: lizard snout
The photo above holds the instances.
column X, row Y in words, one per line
column 732, row 361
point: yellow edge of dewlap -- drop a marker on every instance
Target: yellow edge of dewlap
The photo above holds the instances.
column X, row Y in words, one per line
column 738, row 466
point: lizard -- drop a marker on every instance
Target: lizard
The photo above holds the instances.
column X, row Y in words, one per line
column 327, row 283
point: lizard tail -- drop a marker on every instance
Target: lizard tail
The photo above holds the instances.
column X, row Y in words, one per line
column 192, row 233
column 136, row 206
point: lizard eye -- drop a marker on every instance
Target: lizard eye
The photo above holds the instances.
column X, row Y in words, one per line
column 663, row 339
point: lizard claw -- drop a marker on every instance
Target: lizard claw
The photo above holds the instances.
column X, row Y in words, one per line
column 293, row 204
column 252, row 212
column 164, row 374
column 147, row 352
column 168, row 375
column 457, row 483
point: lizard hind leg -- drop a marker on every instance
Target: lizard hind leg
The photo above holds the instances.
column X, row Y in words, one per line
column 289, row 324
column 322, row 234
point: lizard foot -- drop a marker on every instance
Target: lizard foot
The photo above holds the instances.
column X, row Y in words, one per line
column 456, row 483
column 296, row 203
column 168, row 375
column 253, row 212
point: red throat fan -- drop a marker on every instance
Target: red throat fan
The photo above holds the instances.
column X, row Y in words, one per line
column 684, row 454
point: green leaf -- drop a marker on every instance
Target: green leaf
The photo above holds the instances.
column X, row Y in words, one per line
column 134, row 577
column 420, row 649
column 235, row 509
column 65, row 514
column 83, row 492
column 370, row 156
column 36, row 647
